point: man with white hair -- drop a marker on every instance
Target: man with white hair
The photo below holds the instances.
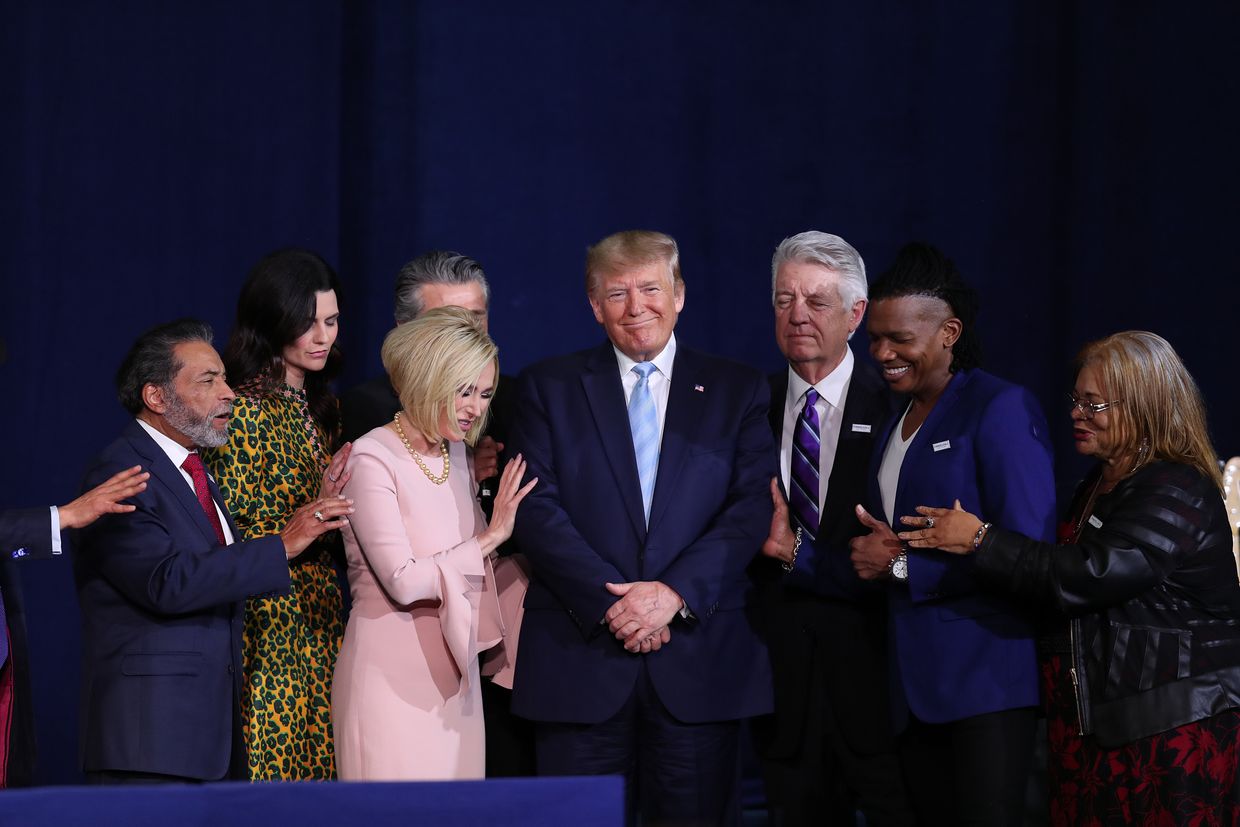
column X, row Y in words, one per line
column 828, row 749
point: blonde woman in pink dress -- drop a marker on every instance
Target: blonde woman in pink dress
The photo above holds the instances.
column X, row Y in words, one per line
column 406, row 701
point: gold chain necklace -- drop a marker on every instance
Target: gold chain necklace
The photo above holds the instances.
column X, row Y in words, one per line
column 443, row 451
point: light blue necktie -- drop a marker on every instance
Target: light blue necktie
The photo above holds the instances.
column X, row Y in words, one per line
column 644, row 423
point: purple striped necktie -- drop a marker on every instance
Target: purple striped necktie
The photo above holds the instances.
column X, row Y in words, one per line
column 806, row 448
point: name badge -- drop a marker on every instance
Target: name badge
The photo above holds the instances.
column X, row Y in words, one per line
column 1094, row 521
column 942, row 446
column 858, row 428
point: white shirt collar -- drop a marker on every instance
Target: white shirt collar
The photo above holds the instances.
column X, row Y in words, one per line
column 662, row 362
column 175, row 450
column 830, row 389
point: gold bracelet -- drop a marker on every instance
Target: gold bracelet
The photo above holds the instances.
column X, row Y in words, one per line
column 796, row 546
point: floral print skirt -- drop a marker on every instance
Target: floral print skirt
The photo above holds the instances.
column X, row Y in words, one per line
column 1185, row 776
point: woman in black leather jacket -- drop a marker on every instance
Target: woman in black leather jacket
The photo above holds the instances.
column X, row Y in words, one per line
column 1143, row 692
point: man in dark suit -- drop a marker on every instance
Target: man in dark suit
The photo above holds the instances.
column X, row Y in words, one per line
column 440, row 279
column 162, row 589
column 35, row 533
column 435, row 279
column 828, row 749
column 639, row 654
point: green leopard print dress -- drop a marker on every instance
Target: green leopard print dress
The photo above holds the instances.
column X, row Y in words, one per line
column 274, row 463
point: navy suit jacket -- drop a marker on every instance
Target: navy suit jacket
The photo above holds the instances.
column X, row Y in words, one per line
column 959, row 649
column 162, row 605
column 24, row 533
column 821, row 616
column 583, row 526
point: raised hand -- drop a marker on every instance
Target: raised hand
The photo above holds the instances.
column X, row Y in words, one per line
column 104, row 498
column 872, row 553
column 781, row 539
column 949, row 529
column 509, row 495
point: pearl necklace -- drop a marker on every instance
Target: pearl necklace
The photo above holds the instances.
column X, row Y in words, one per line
column 443, row 451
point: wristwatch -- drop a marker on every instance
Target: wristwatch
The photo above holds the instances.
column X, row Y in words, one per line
column 899, row 566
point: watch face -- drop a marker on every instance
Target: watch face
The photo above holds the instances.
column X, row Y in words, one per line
column 899, row 567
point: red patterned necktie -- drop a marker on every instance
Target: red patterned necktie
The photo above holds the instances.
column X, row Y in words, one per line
column 193, row 464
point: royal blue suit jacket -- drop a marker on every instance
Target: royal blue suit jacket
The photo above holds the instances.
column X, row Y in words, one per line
column 583, row 526
column 959, row 649
column 162, row 605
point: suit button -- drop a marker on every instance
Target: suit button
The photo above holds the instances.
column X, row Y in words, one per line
column 230, row 669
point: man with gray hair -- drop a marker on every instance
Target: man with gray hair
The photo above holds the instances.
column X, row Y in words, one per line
column 162, row 589
column 828, row 749
column 436, row 279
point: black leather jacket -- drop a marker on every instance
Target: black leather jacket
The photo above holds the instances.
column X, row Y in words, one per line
column 1152, row 592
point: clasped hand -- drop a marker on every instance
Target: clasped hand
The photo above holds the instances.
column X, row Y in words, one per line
column 641, row 616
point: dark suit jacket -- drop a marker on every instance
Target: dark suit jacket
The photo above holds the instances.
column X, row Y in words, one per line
column 26, row 533
column 821, row 614
column 583, row 526
column 367, row 406
column 961, row 649
column 162, row 605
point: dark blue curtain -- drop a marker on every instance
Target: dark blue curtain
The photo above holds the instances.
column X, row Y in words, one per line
column 1076, row 159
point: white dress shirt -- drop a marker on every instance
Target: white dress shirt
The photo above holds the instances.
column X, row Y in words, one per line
column 832, row 391
column 56, row 549
column 660, row 380
column 660, row 384
column 177, row 453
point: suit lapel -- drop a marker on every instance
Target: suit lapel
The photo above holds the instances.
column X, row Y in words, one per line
column 779, row 392
column 218, row 496
column 170, row 477
column 775, row 415
column 684, row 409
column 942, row 408
column 605, row 396
column 864, row 407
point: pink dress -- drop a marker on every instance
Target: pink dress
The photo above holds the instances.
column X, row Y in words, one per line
column 406, row 702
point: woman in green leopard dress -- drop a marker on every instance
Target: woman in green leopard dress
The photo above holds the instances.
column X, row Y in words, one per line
column 280, row 358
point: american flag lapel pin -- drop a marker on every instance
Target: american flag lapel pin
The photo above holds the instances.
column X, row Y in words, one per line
column 700, row 388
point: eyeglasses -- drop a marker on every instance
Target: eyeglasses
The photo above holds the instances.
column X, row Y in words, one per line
column 1089, row 409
